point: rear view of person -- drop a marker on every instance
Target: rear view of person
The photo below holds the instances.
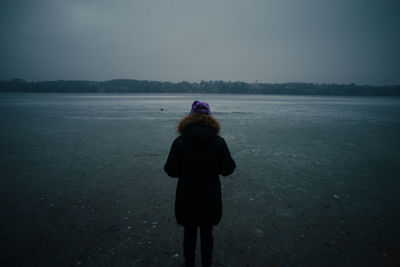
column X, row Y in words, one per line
column 197, row 157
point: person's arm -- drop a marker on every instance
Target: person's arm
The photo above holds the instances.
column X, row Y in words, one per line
column 171, row 167
column 227, row 164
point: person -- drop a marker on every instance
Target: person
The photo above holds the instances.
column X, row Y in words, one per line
column 197, row 157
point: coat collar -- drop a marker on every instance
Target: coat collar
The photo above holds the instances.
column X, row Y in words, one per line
column 198, row 118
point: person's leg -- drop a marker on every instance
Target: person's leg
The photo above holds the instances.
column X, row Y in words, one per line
column 206, row 245
column 189, row 245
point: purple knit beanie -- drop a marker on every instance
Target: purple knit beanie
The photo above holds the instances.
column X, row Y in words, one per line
column 200, row 108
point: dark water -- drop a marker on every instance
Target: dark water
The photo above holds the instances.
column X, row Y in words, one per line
column 317, row 182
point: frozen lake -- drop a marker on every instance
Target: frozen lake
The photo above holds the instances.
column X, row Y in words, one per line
column 317, row 182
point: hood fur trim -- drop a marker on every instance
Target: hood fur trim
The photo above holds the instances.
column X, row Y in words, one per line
column 198, row 118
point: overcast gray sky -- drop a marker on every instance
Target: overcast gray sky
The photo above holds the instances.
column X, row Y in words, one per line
column 340, row 41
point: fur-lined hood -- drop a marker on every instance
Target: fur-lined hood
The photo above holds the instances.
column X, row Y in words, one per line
column 198, row 118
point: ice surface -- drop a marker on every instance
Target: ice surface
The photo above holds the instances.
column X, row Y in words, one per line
column 317, row 179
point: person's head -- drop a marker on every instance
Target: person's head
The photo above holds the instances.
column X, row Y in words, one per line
column 199, row 114
column 200, row 108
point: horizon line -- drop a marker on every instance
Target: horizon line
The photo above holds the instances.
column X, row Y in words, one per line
column 191, row 82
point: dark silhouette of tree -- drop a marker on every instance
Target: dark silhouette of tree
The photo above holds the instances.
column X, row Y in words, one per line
column 238, row 87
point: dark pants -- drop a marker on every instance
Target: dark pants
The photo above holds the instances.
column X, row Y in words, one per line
column 189, row 244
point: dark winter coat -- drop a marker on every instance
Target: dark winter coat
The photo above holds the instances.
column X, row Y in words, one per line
column 197, row 157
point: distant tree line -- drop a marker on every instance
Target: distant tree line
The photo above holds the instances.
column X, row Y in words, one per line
column 138, row 86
